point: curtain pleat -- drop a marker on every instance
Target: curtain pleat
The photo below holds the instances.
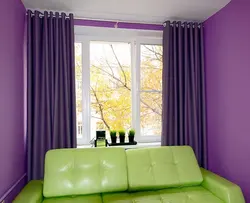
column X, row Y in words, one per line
column 184, row 115
column 51, row 87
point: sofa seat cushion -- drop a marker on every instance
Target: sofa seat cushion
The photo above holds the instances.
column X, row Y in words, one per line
column 189, row 195
column 162, row 167
column 76, row 199
column 177, row 195
column 140, row 197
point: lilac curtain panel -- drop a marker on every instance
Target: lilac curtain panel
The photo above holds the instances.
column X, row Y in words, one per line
column 184, row 106
column 51, row 87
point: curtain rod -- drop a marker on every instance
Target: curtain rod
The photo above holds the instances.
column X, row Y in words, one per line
column 183, row 23
column 131, row 25
column 49, row 13
column 164, row 24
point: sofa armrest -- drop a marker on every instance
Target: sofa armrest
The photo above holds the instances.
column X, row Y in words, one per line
column 31, row 193
column 222, row 188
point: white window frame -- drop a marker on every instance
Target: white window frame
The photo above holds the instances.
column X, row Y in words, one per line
column 136, row 38
column 137, row 68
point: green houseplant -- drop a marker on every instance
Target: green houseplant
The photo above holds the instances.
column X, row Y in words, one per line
column 131, row 135
column 122, row 136
column 113, row 136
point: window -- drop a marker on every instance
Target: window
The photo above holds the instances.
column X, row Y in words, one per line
column 110, row 86
column 78, row 78
column 151, row 90
column 118, row 86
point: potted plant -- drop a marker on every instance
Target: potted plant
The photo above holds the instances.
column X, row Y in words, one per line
column 131, row 136
column 113, row 136
column 122, row 136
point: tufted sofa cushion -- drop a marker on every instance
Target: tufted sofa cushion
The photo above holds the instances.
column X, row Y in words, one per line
column 156, row 168
column 85, row 171
column 76, row 199
column 176, row 195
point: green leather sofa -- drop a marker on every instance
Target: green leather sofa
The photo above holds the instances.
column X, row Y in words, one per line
column 113, row 175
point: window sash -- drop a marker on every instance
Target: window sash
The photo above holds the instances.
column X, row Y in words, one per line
column 137, row 110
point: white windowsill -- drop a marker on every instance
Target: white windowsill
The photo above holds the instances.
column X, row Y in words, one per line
column 139, row 145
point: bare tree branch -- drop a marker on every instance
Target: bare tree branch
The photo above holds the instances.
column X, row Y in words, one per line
column 152, row 109
column 123, row 83
column 157, row 54
column 120, row 65
column 114, row 77
column 109, row 66
column 100, row 108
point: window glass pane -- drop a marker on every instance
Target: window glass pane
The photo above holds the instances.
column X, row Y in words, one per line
column 110, row 83
column 151, row 107
column 151, row 67
column 151, row 87
column 78, row 75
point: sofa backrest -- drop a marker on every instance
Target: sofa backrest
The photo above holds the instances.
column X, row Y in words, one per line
column 85, row 171
column 163, row 167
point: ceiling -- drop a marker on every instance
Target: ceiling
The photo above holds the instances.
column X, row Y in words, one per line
column 150, row 11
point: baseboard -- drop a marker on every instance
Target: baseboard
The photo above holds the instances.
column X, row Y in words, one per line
column 9, row 196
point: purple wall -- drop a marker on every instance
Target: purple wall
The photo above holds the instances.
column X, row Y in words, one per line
column 227, row 49
column 12, row 149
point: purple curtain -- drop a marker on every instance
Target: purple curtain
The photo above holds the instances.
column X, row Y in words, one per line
column 184, row 104
column 51, row 87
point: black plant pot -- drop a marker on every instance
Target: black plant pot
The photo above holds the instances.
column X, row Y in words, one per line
column 122, row 139
column 131, row 139
column 113, row 140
